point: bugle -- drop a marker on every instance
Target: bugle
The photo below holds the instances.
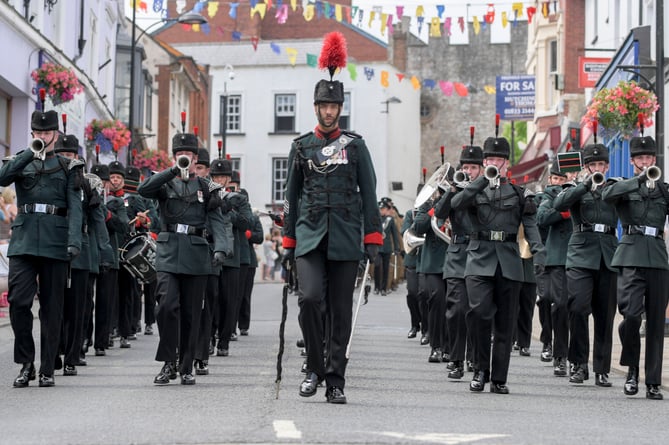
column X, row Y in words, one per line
column 653, row 174
column 38, row 147
column 597, row 180
column 491, row 173
column 461, row 178
column 183, row 162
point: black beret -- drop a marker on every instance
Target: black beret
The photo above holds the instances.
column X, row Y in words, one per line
column 496, row 147
column 184, row 142
column 220, row 167
column 44, row 121
column 116, row 168
column 642, row 146
column 66, row 143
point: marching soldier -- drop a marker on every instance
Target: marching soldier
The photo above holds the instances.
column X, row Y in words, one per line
column 642, row 203
column 330, row 212
column 390, row 246
column 180, row 250
column 45, row 237
column 591, row 273
column 417, row 315
column 494, row 270
column 254, row 235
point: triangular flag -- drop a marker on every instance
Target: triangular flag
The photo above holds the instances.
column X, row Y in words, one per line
column 281, row 14
column 236, row 35
column 389, row 24
column 339, row 15
column 384, row 79
column 461, row 23
column 476, row 25
column 309, row 12
column 399, row 10
column 460, row 88
column 292, row 55
column 260, row 8
column 400, row 77
column 429, row 83
column 490, row 89
column 415, row 83
column 489, row 16
column 254, row 42
column 384, row 23
column 447, row 26
column 157, row 5
column 517, row 8
column 372, row 15
column 544, row 9
column 233, row 10
column 293, row 5
column 505, row 19
column 275, row 48
column 352, row 70
column 435, row 27
column 531, row 10
column 369, row 73
column 312, row 60
column 196, row 27
column 446, row 87
column 212, row 9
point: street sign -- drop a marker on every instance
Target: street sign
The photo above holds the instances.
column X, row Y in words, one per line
column 590, row 69
column 515, row 97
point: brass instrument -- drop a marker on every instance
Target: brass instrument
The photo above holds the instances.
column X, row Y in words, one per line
column 183, row 162
column 653, row 174
column 491, row 173
column 411, row 241
column 38, row 147
column 597, row 180
column 438, row 180
column 461, row 178
column 445, row 236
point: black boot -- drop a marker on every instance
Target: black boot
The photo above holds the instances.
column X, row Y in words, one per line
column 632, row 383
column 26, row 374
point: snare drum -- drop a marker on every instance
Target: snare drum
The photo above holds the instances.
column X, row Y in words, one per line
column 138, row 256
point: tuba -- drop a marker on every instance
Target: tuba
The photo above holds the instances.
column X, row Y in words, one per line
column 445, row 236
column 38, row 147
column 411, row 241
column 653, row 173
column 183, row 162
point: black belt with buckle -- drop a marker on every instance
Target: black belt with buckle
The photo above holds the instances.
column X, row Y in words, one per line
column 494, row 235
column 459, row 239
column 597, row 228
column 655, row 232
column 184, row 229
column 48, row 209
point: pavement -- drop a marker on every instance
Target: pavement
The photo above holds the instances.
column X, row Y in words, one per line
column 617, row 347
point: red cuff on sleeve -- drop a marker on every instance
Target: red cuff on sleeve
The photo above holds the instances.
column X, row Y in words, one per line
column 431, row 212
column 289, row 243
column 137, row 224
column 373, row 238
column 154, row 235
column 248, row 234
column 565, row 215
column 109, row 215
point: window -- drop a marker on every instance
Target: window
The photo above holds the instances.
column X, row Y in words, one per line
column 230, row 113
column 148, row 112
column 345, row 117
column 552, row 56
column 236, row 164
column 554, row 78
column 284, row 113
column 279, row 175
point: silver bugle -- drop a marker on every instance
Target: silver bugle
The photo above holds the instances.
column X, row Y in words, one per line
column 653, row 173
column 183, row 162
column 461, row 178
column 38, row 147
column 597, row 180
column 491, row 173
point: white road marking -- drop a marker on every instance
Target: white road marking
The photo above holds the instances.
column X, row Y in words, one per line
column 444, row 438
column 286, row 429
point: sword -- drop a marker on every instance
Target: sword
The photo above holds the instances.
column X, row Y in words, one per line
column 357, row 309
column 394, row 268
column 291, row 285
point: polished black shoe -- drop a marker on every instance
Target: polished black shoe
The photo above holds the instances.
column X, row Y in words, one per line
column 451, row 365
column 412, row 333
column 653, row 392
column 187, row 379
column 300, row 343
column 457, row 372
column 580, row 373
column 124, row 343
column 81, row 362
column 244, row 332
column 335, row 395
column 559, row 367
column 201, row 367
column 445, row 357
column 546, row 353
column 69, row 370
column 233, row 336
column 435, row 356
column 26, row 374
column 167, row 373
column 148, row 330
column 602, row 380
column 222, row 352
column 46, row 381
column 100, row 352
column 499, row 388
column 516, row 347
column 525, row 352
column 632, row 383
column 424, row 340
column 478, row 382
column 309, row 384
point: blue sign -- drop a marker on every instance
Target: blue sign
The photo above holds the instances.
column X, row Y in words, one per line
column 515, row 98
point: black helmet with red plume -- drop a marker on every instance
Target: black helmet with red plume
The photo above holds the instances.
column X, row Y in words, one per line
column 333, row 56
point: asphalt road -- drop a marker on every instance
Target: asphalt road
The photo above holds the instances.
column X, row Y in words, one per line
column 394, row 396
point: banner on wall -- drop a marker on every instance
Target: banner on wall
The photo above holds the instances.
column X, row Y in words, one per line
column 515, row 97
column 590, row 69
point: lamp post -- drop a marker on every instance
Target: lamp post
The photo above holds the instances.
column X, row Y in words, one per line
column 188, row 18
column 224, row 106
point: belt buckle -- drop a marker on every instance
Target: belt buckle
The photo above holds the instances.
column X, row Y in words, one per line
column 182, row 228
column 39, row 208
column 649, row 231
column 497, row 235
column 601, row 228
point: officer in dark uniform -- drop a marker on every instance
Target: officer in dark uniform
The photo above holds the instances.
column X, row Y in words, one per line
column 329, row 213
column 46, row 235
column 182, row 256
column 559, row 226
column 494, row 270
column 457, row 302
column 254, row 235
column 391, row 245
column 642, row 203
column 418, row 317
column 591, row 274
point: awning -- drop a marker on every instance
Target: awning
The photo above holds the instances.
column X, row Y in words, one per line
column 529, row 171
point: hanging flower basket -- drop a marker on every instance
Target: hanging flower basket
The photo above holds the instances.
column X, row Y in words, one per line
column 61, row 84
column 149, row 160
column 619, row 109
column 107, row 134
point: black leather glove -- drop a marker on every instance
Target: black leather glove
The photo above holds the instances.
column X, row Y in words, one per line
column 643, row 178
column 371, row 252
column 175, row 170
column 72, row 252
column 288, row 258
column 539, row 269
column 588, row 182
column 219, row 258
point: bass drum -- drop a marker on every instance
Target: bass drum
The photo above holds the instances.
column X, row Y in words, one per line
column 138, row 256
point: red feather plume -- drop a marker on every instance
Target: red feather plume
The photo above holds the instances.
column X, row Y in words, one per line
column 333, row 53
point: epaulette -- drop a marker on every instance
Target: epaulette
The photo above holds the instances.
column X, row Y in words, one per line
column 352, row 134
column 302, row 136
column 74, row 163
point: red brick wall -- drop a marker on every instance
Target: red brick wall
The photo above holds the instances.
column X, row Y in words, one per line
column 573, row 40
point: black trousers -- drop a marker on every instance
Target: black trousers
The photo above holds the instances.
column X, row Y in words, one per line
column 74, row 310
column 150, row 303
column 246, row 284
column 128, row 292
column 526, row 299
column 457, row 306
column 412, row 297
column 179, row 311
column 643, row 290
column 592, row 292
column 104, row 290
column 436, row 304
column 228, row 304
column 322, row 280
column 422, row 303
column 544, row 310
column 381, row 267
column 558, row 292
column 24, row 272
column 208, row 311
column 493, row 300
column 89, row 304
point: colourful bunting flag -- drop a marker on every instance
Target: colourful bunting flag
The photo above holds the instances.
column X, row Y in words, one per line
column 369, row 73
column 531, row 10
column 352, row 70
column 429, row 83
column 435, row 27
column 384, row 23
column 400, row 77
column 312, row 60
column 490, row 89
column 384, row 79
column 505, row 19
column 399, row 10
column 212, row 9
column 157, row 5
column 461, row 23
column 446, row 87
column 415, row 82
column 440, row 11
column 275, row 48
column 254, row 42
column 281, row 14
column 372, row 15
column 292, row 55
column 309, row 12
column 236, row 35
column 460, row 88
column 447, row 26
column 233, row 10
column 476, row 25
column 293, row 5
column 489, row 17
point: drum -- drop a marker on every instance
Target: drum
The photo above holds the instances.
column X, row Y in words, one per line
column 138, row 256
